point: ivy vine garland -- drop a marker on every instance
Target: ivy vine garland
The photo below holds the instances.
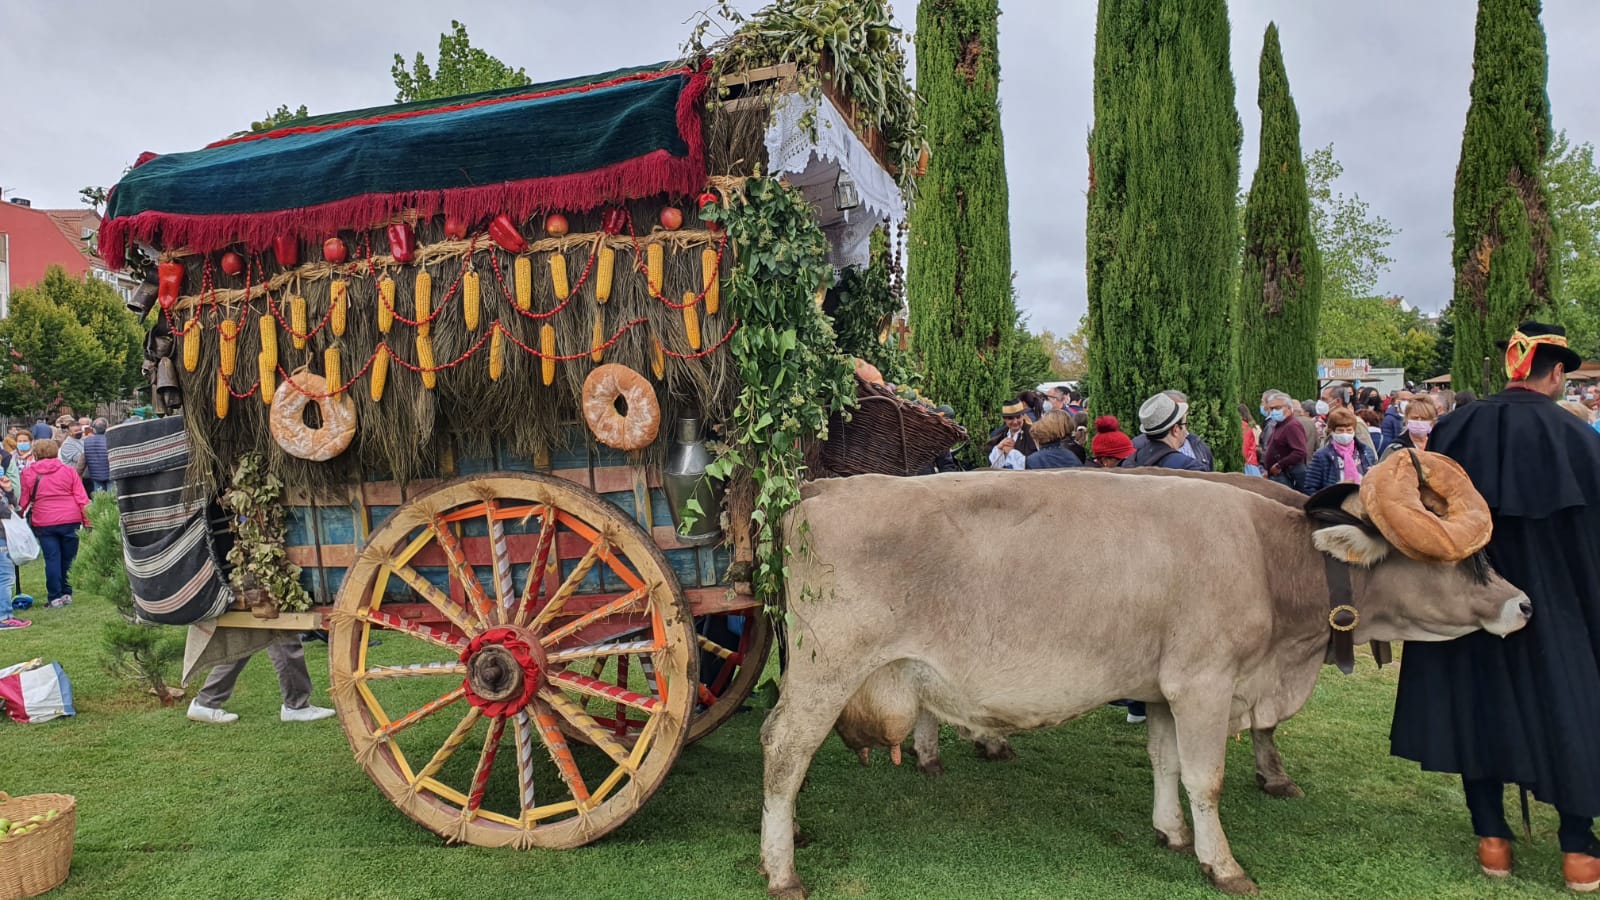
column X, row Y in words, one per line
column 260, row 560
column 791, row 378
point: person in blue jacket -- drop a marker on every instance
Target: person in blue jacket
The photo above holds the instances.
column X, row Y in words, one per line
column 1164, row 422
column 1342, row 459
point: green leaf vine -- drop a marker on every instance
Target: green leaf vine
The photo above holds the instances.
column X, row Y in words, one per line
column 791, row 375
column 259, row 557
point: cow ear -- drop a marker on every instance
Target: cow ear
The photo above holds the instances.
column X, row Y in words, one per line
column 1351, row 544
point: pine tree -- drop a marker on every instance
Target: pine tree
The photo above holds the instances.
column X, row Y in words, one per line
column 1505, row 264
column 958, row 279
column 1280, row 288
column 1162, row 226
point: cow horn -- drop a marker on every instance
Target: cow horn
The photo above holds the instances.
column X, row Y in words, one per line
column 1416, row 463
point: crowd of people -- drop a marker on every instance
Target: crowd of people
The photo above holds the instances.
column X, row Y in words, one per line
column 47, row 474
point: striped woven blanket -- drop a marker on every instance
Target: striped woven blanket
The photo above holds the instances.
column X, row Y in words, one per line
column 172, row 545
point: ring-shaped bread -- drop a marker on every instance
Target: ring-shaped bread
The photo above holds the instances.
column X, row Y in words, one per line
column 634, row 431
column 1446, row 521
column 289, row 426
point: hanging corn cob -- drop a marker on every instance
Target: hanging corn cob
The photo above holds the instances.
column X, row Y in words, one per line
column 655, row 266
column 547, row 353
column 658, row 358
column 191, row 343
column 606, row 264
column 425, row 361
column 297, row 321
column 424, row 301
column 524, row 269
column 691, row 320
column 710, row 280
column 330, row 369
column 497, row 357
column 268, row 368
column 338, row 295
column 471, row 297
column 599, row 340
column 380, row 372
column 222, row 396
column 558, row 275
column 385, row 304
column 228, row 347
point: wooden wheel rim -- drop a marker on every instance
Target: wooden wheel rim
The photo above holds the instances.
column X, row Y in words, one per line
column 564, row 813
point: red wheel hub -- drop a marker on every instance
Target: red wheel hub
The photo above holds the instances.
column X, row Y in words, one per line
column 505, row 668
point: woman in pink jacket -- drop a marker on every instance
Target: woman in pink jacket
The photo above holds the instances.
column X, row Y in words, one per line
column 56, row 506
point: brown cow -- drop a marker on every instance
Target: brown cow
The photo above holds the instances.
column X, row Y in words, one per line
column 1204, row 601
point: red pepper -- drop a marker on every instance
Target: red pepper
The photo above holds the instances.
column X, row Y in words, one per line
column 615, row 219
column 169, row 276
column 402, row 242
column 287, row 249
column 505, row 233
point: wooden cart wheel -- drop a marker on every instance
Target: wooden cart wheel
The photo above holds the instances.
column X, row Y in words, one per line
column 494, row 596
column 733, row 649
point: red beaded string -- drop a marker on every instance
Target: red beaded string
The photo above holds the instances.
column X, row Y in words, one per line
column 641, row 267
column 336, row 391
column 575, row 356
column 449, row 365
column 709, row 350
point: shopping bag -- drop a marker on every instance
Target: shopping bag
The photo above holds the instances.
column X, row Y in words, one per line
column 20, row 542
column 33, row 692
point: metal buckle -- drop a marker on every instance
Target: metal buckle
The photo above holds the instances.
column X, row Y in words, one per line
column 1333, row 615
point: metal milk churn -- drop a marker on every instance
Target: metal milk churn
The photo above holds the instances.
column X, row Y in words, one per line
column 683, row 476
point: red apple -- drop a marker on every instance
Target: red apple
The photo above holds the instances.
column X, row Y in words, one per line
column 232, row 263
column 671, row 218
column 334, row 251
column 556, row 225
column 455, row 227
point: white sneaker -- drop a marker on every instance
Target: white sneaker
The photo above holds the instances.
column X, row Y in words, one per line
column 1134, row 720
column 304, row 714
column 198, row 713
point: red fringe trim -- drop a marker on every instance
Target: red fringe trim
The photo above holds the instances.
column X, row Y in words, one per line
column 436, row 110
column 657, row 172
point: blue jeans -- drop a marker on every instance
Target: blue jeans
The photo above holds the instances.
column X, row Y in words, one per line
column 59, row 544
column 7, row 581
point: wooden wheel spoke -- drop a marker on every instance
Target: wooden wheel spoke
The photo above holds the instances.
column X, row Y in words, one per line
column 414, row 670
column 462, row 570
column 556, row 743
column 418, row 714
column 621, row 604
column 721, row 652
column 420, row 632
column 593, row 730
column 704, row 694
column 524, row 739
column 439, row 599
column 505, row 595
column 536, row 575
column 450, row 746
column 569, row 586
column 480, row 775
column 594, row 687
column 592, row 651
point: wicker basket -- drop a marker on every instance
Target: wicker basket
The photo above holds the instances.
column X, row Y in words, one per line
column 39, row 860
column 886, row 435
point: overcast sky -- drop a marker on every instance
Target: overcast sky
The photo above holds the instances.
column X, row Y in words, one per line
column 89, row 85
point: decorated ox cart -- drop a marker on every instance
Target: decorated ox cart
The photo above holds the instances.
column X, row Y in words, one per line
column 441, row 378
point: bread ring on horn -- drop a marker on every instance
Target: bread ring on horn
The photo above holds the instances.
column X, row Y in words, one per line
column 1445, row 521
column 637, row 429
column 289, row 426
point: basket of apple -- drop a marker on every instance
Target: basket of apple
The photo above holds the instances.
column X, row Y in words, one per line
column 36, row 834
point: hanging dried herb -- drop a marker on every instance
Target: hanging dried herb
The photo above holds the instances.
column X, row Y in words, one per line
column 261, row 562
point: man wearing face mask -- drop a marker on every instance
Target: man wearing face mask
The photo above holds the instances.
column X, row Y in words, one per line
column 1284, row 458
column 1524, row 709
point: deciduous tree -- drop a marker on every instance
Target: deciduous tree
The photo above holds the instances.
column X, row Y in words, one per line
column 462, row 69
column 69, row 342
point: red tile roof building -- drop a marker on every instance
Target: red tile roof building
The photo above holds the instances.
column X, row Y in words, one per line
column 33, row 240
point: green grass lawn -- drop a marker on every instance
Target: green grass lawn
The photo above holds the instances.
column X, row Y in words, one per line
column 169, row 808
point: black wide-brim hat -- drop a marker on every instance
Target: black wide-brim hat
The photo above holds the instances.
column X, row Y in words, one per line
column 1534, row 329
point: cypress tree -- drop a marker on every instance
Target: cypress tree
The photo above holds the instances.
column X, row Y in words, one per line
column 1280, row 288
column 1162, row 225
column 1504, row 265
column 958, row 279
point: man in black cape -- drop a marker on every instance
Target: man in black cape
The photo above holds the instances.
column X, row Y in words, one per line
column 1523, row 709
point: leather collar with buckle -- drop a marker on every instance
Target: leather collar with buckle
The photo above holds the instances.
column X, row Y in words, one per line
column 1343, row 617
